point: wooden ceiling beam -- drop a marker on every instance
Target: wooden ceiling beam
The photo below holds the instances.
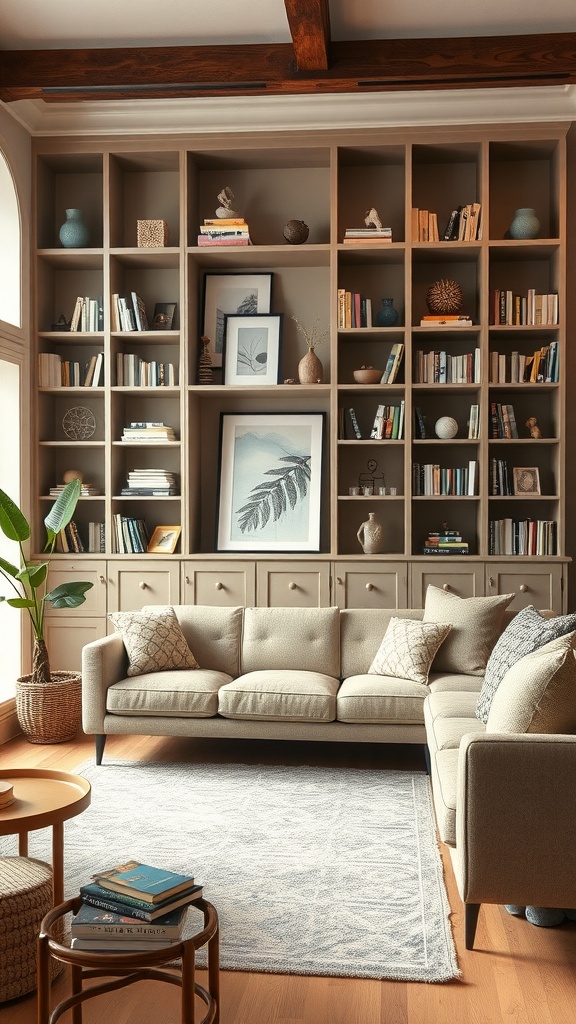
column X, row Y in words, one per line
column 309, row 22
column 269, row 69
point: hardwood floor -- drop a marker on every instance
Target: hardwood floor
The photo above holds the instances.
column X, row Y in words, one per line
column 518, row 974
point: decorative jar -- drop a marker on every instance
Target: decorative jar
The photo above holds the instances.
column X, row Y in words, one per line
column 74, row 234
column 387, row 315
column 310, row 368
column 525, row 224
column 371, row 535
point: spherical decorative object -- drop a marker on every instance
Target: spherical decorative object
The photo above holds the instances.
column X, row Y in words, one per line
column 73, row 233
column 444, row 298
column 79, row 423
column 525, row 224
column 72, row 474
column 446, row 427
column 296, row 232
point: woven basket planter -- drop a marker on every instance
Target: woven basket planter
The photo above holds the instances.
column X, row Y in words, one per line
column 50, row 713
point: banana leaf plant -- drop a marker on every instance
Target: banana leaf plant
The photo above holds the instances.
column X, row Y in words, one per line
column 29, row 579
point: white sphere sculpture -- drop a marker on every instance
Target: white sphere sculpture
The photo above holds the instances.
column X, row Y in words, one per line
column 446, row 427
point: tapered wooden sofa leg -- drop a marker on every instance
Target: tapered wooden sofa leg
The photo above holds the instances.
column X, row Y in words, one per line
column 100, row 744
column 471, row 911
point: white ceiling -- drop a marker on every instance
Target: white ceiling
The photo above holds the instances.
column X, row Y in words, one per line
column 49, row 24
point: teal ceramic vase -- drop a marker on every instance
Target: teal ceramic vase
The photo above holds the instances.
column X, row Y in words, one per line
column 74, row 234
column 525, row 224
column 387, row 316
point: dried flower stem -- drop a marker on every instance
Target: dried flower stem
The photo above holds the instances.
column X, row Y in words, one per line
column 313, row 336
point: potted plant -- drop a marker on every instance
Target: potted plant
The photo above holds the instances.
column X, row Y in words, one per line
column 48, row 705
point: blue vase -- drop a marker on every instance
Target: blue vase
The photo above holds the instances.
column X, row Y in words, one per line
column 525, row 224
column 74, row 234
column 387, row 316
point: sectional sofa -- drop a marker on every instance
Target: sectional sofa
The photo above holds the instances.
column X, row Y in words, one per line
column 503, row 788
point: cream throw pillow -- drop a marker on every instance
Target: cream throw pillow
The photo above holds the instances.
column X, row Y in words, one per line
column 153, row 640
column 538, row 694
column 408, row 648
column 476, row 625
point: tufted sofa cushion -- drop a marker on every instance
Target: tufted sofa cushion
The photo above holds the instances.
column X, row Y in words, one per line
column 293, row 639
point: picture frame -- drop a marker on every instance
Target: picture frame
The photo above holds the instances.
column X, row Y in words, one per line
column 252, row 346
column 164, row 540
column 164, row 314
column 526, row 480
column 269, row 495
column 241, row 294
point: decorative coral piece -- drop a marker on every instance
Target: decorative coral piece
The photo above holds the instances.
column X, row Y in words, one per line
column 444, row 297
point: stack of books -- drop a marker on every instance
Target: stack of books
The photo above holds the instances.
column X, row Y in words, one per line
column 129, row 313
column 132, row 907
column 367, row 236
column 445, row 320
column 86, row 490
column 149, row 432
column 448, row 542
column 150, row 483
column 129, row 536
column 224, row 231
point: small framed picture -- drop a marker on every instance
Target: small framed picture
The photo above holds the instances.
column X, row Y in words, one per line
column 231, row 293
column 252, row 349
column 164, row 540
column 526, row 480
column 164, row 314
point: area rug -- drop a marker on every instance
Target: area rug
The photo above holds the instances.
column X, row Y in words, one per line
column 313, row 870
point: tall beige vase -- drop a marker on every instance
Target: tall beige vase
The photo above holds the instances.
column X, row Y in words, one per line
column 371, row 535
column 310, row 368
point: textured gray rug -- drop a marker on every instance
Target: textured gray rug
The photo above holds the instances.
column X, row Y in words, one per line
column 329, row 871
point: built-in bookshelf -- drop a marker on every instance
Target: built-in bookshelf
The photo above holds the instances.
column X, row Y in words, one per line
column 507, row 354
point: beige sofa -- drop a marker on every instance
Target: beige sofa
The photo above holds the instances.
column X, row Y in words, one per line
column 505, row 803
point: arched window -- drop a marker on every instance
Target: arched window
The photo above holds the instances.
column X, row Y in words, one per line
column 10, row 256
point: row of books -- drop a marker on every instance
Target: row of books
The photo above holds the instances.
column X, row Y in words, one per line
column 87, row 315
column 523, row 537
column 518, row 368
column 129, row 536
column 463, row 225
column 55, row 372
column 129, row 313
column 431, row 479
column 508, row 308
column 69, row 539
column 133, row 371
column 150, row 483
column 148, row 432
column 224, row 231
column 439, row 367
column 133, row 907
column 96, row 537
column 354, row 309
column 388, row 423
column 449, row 542
column 500, row 479
column 367, row 236
column 502, row 420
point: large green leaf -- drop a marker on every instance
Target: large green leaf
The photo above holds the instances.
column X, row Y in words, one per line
column 63, row 509
column 13, row 522
column 34, row 574
column 8, row 568
column 68, row 595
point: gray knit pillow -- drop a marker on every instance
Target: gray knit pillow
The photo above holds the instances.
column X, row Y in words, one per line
column 153, row 640
column 527, row 632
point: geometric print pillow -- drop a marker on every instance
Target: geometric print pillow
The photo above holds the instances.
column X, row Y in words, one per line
column 527, row 632
column 408, row 649
column 153, row 640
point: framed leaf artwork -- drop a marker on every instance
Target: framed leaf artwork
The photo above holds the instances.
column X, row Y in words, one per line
column 270, row 482
column 252, row 349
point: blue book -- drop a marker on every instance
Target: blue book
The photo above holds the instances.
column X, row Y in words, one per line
column 147, row 883
column 97, row 896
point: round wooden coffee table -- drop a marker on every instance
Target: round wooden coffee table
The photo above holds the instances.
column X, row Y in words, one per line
column 43, row 798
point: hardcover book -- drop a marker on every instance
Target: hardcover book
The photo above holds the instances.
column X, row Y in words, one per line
column 144, row 881
column 91, row 922
column 97, row 896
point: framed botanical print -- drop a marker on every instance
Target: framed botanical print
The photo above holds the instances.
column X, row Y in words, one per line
column 240, row 294
column 252, row 349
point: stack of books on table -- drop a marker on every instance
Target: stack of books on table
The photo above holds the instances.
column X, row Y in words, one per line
column 133, row 907
column 450, row 542
column 367, row 236
column 224, row 231
column 150, row 483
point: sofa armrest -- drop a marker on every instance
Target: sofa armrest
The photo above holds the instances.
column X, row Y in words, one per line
column 104, row 662
column 515, row 813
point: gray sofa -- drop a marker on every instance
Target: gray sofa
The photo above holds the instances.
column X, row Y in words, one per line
column 505, row 802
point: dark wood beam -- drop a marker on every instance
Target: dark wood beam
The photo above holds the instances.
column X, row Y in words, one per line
column 309, row 22
column 251, row 70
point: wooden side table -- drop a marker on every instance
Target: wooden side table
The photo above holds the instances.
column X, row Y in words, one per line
column 126, row 968
column 43, row 797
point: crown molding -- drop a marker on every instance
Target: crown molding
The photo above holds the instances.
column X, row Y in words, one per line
column 294, row 113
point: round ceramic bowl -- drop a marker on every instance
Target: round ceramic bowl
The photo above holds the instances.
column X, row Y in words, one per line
column 367, row 375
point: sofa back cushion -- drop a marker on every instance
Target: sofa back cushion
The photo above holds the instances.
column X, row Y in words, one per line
column 476, row 622
column 213, row 634
column 361, row 633
column 300, row 639
column 538, row 693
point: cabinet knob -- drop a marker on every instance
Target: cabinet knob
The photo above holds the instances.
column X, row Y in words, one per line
column 102, row 578
column 490, row 581
column 445, row 586
column 339, row 580
column 187, row 580
column 142, row 585
column 369, row 586
column 291, row 586
column 523, row 588
column 219, row 586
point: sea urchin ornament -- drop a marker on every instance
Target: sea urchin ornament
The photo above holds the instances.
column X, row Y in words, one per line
column 444, row 297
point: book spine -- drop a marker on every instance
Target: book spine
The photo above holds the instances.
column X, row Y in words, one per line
column 115, row 906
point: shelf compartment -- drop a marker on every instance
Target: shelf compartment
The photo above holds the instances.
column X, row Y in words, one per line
column 523, row 174
column 69, row 181
column 144, row 186
column 351, row 515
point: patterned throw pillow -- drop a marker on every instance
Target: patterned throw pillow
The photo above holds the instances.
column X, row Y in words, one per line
column 154, row 641
column 408, row 648
column 526, row 633
column 538, row 694
column 476, row 625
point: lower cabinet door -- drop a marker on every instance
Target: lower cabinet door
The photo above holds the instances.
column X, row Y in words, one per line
column 465, row 579
column 370, row 585
column 95, row 602
column 65, row 638
column 133, row 584
column 227, row 584
column 293, row 584
column 540, row 585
